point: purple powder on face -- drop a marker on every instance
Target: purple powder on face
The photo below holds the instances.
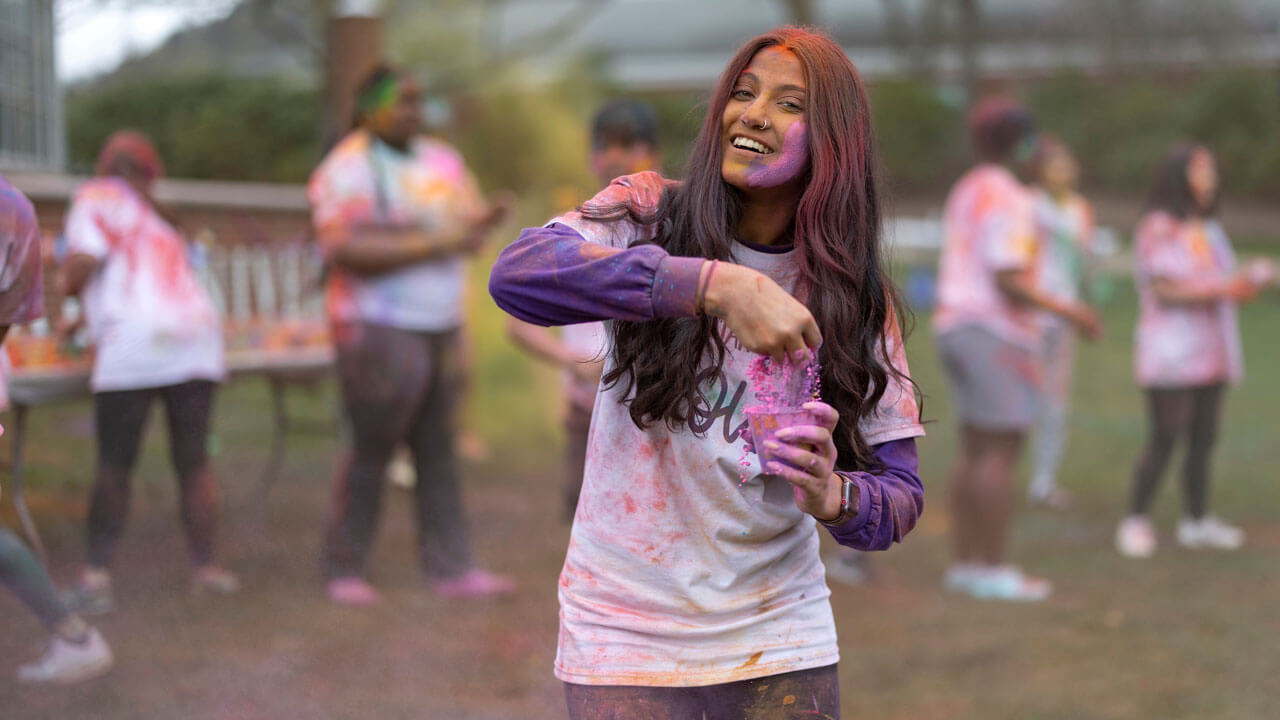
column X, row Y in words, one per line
column 790, row 163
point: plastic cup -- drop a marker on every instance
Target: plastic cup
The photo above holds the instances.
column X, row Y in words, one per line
column 766, row 422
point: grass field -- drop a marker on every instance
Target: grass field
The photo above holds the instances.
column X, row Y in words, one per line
column 1182, row 636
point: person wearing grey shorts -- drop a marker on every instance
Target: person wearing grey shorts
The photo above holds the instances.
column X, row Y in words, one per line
column 987, row 334
column 994, row 383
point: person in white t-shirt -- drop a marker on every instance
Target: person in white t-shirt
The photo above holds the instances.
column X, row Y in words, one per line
column 156, row 336
column 692, row 584
column 396, row 213
column 624, row 141
column 1064, row 233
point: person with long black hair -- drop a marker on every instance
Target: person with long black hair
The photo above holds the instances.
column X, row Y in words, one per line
column 1187, row 345
column 692, row 585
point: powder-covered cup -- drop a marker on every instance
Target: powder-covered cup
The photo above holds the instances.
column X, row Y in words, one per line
column 766, row 422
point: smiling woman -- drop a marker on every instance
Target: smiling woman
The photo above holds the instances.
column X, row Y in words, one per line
column 688, row 591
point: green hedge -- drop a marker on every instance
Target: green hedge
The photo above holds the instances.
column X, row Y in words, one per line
column 205, row 126
column 532, row 138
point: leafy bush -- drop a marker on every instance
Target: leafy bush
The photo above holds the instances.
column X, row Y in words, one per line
column 205, row 126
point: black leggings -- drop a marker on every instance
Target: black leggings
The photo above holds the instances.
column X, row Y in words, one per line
column 1192, row 412
column 398, row 386
column 808, row 694
column 121, row 416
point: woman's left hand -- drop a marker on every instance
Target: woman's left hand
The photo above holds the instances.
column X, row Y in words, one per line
column 805, row 456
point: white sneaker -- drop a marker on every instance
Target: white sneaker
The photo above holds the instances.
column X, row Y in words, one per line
column 1008, row 584
column 401, row 473
column 960, row 576
column 68, row 662
column 1209, row 532
column 1136, row 537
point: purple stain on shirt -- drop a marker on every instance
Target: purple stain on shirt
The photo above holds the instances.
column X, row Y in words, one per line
column 790, row 163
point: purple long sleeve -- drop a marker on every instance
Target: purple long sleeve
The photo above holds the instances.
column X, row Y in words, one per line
column 553, row 276
column 889, row 501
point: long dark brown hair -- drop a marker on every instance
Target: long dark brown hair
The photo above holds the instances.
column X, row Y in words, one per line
column 1171, row 192
column 842, row 278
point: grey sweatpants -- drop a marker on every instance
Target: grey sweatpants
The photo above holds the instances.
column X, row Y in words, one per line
column 1049, row 438
column 398, row 386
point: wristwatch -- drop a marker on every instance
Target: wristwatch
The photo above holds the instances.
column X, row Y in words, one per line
column 848, row 504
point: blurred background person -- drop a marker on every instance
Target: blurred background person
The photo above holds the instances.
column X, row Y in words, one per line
column 76, row 651
column 396, row 213
column 624, row 141
column 1187, row 344
column 157, row 336
column 1064, row 232
column 987, row 333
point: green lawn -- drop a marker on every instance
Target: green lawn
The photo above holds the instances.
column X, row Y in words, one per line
column 1182, row 636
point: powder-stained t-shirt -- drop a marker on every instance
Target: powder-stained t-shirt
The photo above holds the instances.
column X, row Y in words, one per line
column 988, row 227
column 1180, row 344
column 1064, row 231
column 587, row 342
column 365, row 181
column 149, row 318
column 686, row 565
column 21, row 279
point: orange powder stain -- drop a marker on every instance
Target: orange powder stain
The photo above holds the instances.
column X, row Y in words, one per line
column 596, row 251
column 751, row 660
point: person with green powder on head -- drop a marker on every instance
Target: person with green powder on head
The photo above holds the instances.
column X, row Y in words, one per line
column 396, row 214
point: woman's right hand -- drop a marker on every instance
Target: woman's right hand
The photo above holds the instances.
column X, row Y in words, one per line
column 765, row 318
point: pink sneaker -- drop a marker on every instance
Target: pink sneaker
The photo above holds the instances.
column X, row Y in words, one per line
column 352, row 591
column 474, row 584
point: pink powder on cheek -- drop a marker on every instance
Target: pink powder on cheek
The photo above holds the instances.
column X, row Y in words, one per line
column 791, row 162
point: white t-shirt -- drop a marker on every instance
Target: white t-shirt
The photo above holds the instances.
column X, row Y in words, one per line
column 148, row 316
column 989, row 227
column 1064, row 231
column 679, row 572
column 363, row 180
column 587, row 342
column 21, row 278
